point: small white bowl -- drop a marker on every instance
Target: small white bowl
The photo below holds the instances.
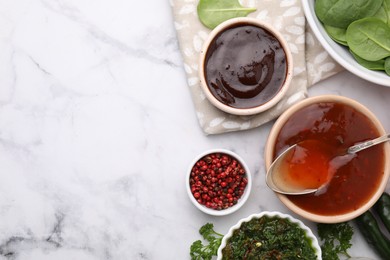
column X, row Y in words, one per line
column 341, row 53
column 309, row 233
column 241, row 200
column 237, row 22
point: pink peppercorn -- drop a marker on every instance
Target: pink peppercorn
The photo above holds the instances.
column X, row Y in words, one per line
column 218, row 181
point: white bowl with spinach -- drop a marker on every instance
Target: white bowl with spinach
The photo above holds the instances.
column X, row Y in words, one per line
column 269, row 235
column 355, row 33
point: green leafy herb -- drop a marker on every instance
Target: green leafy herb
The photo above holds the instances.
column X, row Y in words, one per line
column 372, row 65
column 337, row 34
column 381, row 14
column 361, row 25
column 369, row 38
column 340, row 13
column 199, row 251
column 387, row 66
column 213, row 12
column 386, row 8
column 336, row 239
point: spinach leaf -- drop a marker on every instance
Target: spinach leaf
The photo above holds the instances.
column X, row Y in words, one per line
column 369, row 38
column 386, row 8
column 340, row 13
column 337, row 34
column 371, row 65
column 213, row 12
column 387, row 66
column 322, row 7
column 381, row 14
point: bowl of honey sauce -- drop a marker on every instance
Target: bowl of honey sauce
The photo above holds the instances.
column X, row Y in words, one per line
column 245, row 66
column 336, row 122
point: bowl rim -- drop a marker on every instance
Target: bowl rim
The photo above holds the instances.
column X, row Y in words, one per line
column 252, row 110
column 327, row 42
column 244, row 196
column 269, row 149
column 272, row 214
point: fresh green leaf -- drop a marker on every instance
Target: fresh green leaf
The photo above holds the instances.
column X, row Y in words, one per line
column 207, row 232
column 213, row 12
column 337, row 34
column 340, row 13
column 371, row 65
column 386, row 8
column 387, row 66
column 336, row 239
column 196, row 250
column 369, row 38
column 381, row 14
column 199, row 251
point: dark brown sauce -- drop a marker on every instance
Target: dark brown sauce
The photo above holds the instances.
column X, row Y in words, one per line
column 339, row 126
column 245, row 66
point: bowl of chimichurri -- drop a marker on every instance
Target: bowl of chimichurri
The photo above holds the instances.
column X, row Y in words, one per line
column 269, row 235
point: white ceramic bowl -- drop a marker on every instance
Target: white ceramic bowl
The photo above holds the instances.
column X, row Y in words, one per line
column 202, row 59
column 307, row 230
column 241, row 200
column 270, row 148
column 340, row 53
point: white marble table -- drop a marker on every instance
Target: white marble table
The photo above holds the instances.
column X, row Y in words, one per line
column 97, row 129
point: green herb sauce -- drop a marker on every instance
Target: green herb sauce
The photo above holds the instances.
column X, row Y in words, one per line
column 269, row 238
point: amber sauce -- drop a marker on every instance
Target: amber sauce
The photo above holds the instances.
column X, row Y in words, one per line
column 339, row 127
column 245, row 66
column 308, row 165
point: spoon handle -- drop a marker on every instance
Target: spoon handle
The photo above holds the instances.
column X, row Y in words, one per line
column 367, row 144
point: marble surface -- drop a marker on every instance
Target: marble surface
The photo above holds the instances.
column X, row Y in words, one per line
column 97, row 129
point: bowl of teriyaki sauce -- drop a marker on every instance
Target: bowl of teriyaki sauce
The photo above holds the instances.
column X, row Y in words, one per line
column 245, row 66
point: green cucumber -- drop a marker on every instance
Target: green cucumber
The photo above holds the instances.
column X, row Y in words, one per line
column 371, row 232
column 382, row 208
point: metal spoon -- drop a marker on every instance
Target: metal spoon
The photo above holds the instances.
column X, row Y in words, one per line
column 276, row 181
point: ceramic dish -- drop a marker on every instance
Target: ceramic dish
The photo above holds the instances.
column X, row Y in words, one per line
column 321, row 120
column 245, row 82
column 308, row 233
column 219, row 177
column 340, row 53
